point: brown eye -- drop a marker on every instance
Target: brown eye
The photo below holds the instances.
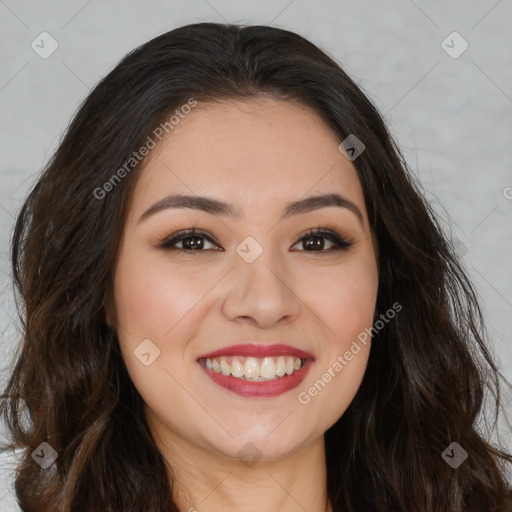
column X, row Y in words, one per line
column 191, row 240
column 312, row 241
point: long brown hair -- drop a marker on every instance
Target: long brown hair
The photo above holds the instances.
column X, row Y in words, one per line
column 428, row 370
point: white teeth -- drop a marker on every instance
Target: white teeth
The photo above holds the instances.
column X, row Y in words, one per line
column 251, row 368
column 281, row 366
column 254, row 369
column 268, row 368
column 289, row 366
column 224, row 367
column 237, row 368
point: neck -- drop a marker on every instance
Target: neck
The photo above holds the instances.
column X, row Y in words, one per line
column 204, row 481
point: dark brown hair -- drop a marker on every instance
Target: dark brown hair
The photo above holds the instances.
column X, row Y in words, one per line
column 428, row 369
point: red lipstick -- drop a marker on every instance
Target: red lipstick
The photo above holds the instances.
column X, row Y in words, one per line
column 253, row 350
column 259, row 389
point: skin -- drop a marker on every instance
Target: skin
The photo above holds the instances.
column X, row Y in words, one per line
column 258, row 154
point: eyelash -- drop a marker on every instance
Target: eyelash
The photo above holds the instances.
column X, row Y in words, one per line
column 340, row 242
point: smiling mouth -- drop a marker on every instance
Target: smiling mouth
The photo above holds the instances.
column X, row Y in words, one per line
column 253, row 369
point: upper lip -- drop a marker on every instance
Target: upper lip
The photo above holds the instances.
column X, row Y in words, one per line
column 255, row 349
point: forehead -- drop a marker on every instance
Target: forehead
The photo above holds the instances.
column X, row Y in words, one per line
column 249, row 152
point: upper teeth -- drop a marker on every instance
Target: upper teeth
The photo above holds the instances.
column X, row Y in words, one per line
column 252, row 368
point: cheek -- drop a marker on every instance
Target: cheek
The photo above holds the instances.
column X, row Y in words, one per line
column 159, row 302
column 151, row 300
column 351, row 317
column 156, row 304
column 345, row 300
column 151, row 304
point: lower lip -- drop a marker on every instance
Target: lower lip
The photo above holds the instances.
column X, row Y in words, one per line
column 261, row 389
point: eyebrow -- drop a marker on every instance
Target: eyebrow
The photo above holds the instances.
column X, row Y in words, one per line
column 217, row 207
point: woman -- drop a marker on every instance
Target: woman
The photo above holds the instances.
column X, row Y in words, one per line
column 235, row 297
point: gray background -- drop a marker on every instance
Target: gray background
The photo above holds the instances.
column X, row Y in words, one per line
column 451, row 116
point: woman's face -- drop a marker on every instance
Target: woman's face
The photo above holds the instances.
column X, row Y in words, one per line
column 250, row 281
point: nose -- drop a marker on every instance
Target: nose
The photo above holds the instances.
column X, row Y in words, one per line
column 261, row 293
